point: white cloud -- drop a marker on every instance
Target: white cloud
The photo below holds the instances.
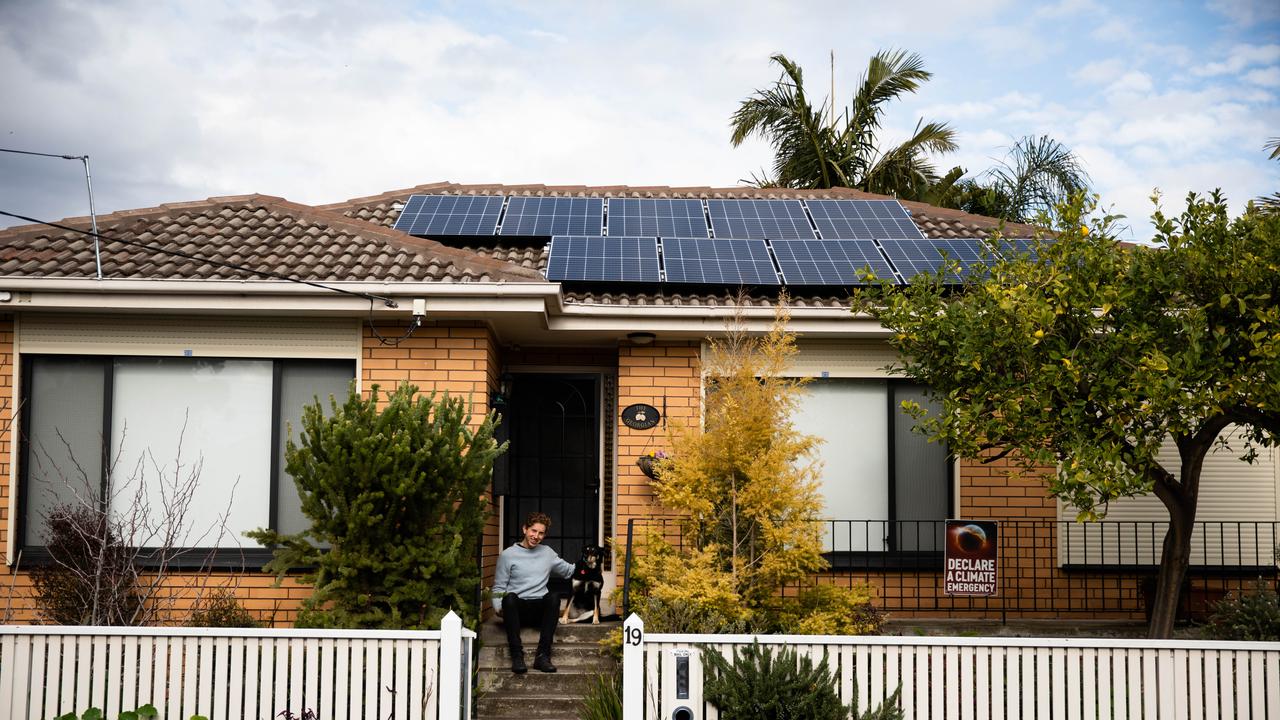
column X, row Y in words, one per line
column 1247, row 12
column 1240, row 57
column 1269, row 77
column 1100, row 72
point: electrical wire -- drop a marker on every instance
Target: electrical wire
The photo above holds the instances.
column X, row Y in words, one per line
column 394, row 342
column 230, row 266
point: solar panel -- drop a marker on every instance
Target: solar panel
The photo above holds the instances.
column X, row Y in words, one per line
column 603, row 259
column 765, row 219
column 912, row 257
column 548, row 216
column 880, row 219
column 829, row 262
column 1010, row 247
column 450, row 215
column 656, row 216
column 719, row 261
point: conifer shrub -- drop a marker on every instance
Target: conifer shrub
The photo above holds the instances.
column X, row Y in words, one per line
column 756, row 684
column 744, row 484
column 396, row 500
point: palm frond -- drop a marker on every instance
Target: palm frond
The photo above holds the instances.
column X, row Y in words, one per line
column 1035, row 175
column 1274, row 146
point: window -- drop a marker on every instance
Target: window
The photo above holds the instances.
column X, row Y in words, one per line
column 885, row 486
column 223, row 421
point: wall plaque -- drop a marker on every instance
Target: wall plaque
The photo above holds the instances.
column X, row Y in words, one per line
column 640, row 416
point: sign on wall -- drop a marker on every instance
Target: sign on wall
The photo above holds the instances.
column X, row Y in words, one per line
column 971, row 557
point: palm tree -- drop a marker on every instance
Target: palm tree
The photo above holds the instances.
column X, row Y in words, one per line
column 1270, row 204
column 1035, row 176
column 816, row 148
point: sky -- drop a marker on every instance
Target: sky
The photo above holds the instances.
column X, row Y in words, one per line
column 320, row 102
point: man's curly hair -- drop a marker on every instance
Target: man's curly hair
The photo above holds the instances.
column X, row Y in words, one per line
column 537, row 516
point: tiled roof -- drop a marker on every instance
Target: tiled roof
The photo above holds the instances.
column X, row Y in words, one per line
column 933, row 221
column 256, row 231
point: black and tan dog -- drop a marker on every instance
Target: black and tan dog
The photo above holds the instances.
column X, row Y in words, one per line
column 588, row 582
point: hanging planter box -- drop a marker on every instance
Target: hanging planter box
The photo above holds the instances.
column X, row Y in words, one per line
column 647, row 464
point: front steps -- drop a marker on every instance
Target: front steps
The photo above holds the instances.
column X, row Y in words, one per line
column 503, row 695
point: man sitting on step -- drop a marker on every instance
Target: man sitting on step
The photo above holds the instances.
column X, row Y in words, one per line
column 520, row 591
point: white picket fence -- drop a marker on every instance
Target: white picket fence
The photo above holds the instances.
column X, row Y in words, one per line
column 981, row 678
column 235, row 674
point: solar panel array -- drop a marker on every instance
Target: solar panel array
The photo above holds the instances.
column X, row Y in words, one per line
column 864, row 219
column 450, row 215
column 764, row 219
column 603, row 259
column 547, row 216
column 817, row 242
column 829, row 262
column 659, row 217
column 913, row 257
column 718, row 261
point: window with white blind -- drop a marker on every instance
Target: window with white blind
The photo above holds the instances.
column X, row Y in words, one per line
column 1237, row 516
column 222, row 423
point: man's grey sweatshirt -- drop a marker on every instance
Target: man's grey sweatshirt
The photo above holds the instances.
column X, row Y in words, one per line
column 525, row 572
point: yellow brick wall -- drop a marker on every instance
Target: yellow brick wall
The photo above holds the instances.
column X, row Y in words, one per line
column 661, row 375
column 458, row 358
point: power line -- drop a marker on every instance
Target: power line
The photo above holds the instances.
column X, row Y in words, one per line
column 230, row 266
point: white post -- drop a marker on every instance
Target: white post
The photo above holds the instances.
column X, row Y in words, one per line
column 450, row 667
column 633, row 668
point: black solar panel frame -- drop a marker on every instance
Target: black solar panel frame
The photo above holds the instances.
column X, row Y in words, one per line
column 759, row 219
column 539, row 216
column 704, row 261
column 450, row 215
column 862, row 220
column 605, row 259
column 830, row 262
column 657, row 217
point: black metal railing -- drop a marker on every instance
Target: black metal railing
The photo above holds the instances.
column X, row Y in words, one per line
column 1046, row 567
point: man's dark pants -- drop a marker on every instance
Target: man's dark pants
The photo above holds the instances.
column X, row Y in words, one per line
column 543, row 613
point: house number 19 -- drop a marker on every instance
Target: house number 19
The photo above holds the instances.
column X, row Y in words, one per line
column 634, row 636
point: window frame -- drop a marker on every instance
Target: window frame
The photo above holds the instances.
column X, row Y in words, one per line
column 240, row 559
column 892, row 558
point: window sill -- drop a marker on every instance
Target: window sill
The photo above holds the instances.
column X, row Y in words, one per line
column 925, row 561
column 232, row 560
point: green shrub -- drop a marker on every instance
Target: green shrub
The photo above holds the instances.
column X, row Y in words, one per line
column 603, row 700
column 756, row 685
column 396, row 491
column 828, row 610
column 1251, row 615
column 221, row 609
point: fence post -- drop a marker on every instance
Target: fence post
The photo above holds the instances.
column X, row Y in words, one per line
column 449, row 668
column 633, row 668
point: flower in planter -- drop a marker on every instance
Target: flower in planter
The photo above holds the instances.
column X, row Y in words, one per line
column 648, row 463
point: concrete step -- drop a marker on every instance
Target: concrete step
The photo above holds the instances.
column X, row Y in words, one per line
column 503, row 695
column 542, row 707
column 566, row 657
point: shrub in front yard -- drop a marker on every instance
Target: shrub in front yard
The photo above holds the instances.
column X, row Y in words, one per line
column 755, row 684
column 1250, row 615
column 829, row 610
column 221, row 609
column 396, row 500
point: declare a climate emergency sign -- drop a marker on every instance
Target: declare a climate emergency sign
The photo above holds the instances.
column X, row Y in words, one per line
column 971, row 558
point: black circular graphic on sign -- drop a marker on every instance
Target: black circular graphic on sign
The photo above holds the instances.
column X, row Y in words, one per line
column 640, row 416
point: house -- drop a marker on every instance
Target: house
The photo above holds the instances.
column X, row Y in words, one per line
column 214, row 321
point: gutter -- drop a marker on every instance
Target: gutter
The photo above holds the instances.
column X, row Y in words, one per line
column 456, row 300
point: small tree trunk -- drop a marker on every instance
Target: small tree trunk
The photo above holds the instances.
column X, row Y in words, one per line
column 1174, row 559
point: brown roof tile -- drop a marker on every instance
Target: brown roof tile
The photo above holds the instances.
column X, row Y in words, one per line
column 260, row 232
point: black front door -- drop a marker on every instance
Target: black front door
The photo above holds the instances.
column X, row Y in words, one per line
column 554, row 458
